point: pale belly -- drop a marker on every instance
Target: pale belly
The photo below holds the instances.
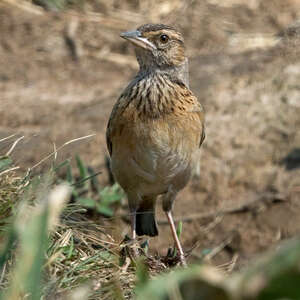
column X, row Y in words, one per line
column 132, row 174
column 148, row 161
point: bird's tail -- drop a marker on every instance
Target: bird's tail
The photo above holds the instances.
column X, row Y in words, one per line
column 145, row 218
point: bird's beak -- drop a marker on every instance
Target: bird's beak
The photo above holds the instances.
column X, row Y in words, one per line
column 137, row 39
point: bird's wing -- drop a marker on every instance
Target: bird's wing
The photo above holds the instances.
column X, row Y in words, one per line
column 108, row 139
column 118, row 108
column 192, row 105
column 199, row 110
column 202, row 136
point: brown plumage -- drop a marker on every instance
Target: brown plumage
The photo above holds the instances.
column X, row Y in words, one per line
column 155, row 128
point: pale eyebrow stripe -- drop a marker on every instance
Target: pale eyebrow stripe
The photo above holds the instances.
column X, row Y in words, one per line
column 171, row 33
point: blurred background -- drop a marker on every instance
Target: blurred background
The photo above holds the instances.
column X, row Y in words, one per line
column 63, row 66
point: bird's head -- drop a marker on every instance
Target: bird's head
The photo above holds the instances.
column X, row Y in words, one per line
column 157, row 46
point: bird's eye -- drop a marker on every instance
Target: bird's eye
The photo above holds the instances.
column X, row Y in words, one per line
column 164, row 38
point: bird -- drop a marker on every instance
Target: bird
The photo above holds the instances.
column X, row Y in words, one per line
column 155, row 129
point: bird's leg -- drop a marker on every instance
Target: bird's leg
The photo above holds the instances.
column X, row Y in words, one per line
column 133, row 225
column 134, row 245
column 133, row 200
column 168, row 200
column 176, row 239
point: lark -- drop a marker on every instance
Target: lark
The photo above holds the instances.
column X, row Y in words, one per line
column 155, row 129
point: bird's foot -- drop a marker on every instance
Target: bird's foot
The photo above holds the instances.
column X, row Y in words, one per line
column 173, row 258
column 183, row 261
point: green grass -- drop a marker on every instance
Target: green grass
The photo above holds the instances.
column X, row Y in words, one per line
column 48, row 245
column 87, row 191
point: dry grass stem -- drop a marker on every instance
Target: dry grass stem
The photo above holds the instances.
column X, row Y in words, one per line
column 59, row 148
column 9, row 170
column 8, row 153
column 8, row 137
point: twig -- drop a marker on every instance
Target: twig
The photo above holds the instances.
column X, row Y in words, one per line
column 233, row 262
column 55, row 151
column 14, row 145
column 211, row 225
column 7, row 137
column 9, row 170
column 229, row 266
column 242, row 208
column 218, row 249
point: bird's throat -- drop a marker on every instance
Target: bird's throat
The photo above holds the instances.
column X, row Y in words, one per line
column 177, row 73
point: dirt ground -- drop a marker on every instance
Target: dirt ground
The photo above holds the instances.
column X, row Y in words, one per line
column 62, row 72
